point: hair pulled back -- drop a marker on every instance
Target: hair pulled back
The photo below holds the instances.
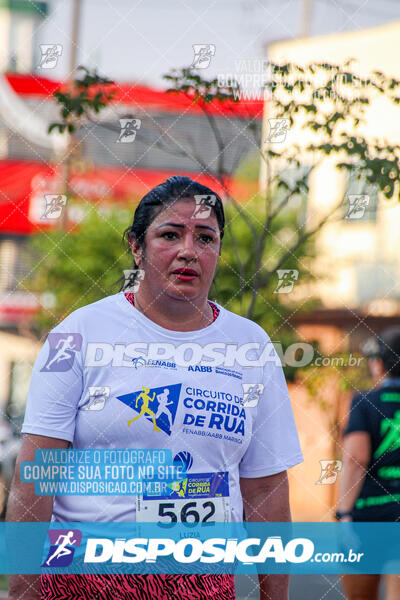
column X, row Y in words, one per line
column 175, row 188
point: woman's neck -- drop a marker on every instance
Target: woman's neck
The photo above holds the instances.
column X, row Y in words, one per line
column 174, row 314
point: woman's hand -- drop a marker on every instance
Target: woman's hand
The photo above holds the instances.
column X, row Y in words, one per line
column 267, row 499
column 24, row 505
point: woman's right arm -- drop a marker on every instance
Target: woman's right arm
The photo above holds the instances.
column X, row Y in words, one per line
column 25, row 505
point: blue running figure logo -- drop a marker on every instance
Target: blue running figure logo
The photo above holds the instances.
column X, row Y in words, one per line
column 157, row 405
column 62, row 547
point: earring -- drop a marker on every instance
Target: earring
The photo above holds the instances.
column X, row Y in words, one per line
column 138, row 257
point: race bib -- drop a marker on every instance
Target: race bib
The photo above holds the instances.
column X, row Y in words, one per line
column 199, row 498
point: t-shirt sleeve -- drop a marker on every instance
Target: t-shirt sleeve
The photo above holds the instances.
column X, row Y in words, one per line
column 55, row 387
column 358, row 418
column 275, row 445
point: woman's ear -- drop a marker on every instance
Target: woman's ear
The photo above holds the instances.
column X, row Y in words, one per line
column 136, row 251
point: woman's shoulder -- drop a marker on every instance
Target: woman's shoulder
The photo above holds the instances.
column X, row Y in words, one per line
column 242, row 324
column 92, row 312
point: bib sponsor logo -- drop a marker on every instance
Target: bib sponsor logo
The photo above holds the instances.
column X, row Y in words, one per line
column 197, row 485
column 157, row 405
column 62, row 351
column 200, row 485
column 191, row 498
column 62, row 547
column 183, row 459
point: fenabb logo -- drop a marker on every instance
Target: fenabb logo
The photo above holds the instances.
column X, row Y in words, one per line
column 190, row 550
column 139, row 362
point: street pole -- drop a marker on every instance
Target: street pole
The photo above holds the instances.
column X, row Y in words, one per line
column 66, row 163
column 76, row 15
column 306, row 18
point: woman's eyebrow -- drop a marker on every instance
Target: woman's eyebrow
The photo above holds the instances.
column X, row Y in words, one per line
column 183, row 226
column 205, row 227
column 171, row 225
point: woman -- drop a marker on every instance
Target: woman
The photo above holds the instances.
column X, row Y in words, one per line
column 370, row 482
column 196, row 410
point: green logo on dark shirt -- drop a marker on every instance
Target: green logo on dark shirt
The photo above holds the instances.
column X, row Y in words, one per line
column 389, row 472
column 390, row 397
column 376, row 500
column 390, row 428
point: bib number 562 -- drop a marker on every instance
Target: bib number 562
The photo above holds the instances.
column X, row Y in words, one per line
column 190, row 512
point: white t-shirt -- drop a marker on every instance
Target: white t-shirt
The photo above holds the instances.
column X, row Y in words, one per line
column 224, row 419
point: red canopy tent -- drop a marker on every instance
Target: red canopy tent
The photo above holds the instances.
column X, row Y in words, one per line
column 23, row 183
column 15, row 193
column 140, row 95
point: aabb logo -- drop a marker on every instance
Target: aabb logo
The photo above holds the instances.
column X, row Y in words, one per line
column 200, row 368
column 157, row 405
column 62, row 547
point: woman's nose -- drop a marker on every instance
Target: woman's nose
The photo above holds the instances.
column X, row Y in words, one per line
column 187, row 247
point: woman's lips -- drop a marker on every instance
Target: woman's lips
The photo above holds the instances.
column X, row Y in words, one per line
column 184, row 275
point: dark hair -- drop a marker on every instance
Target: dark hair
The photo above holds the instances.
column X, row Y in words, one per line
column 386, row 346
column 390, row 350
column 175, row 188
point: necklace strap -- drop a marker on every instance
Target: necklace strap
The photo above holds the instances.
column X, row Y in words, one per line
column 215, row 310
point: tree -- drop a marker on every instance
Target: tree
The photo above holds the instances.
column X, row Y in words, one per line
column 327, row 100
column 80, row 266
column 83, row 99
column 87, row 96
column 270, row 231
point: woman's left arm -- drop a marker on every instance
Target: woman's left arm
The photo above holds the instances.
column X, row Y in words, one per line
column 267, row 499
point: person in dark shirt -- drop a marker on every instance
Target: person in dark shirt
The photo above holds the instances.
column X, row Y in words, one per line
column 369, row 487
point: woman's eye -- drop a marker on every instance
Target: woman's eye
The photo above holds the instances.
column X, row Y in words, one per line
column 169, row 235
column 206, row 238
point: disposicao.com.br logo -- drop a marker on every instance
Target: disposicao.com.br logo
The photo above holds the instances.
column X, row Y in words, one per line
column 213, row 550
column 215, row 354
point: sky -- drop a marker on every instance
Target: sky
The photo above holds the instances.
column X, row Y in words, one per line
column 140, row 40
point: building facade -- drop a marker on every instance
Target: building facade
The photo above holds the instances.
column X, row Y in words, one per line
column 360, row 252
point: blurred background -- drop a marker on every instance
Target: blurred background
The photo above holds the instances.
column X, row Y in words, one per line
column 312, row 246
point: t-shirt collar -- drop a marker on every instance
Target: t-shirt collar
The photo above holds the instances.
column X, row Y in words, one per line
column 139, row 316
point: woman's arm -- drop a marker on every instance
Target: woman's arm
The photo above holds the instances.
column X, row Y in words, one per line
column 25, row 505
column 356, row 457
column 267, row 499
